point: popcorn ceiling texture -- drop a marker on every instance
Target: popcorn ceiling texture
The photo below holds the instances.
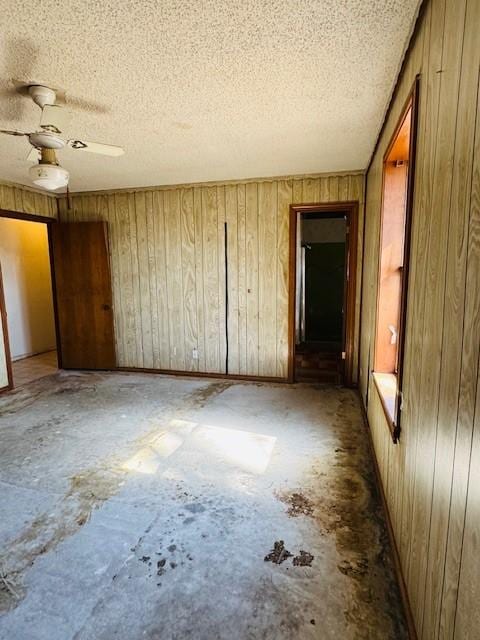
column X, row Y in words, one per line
column 199, row 91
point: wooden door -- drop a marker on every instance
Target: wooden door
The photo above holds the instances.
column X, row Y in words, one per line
column 83, row 295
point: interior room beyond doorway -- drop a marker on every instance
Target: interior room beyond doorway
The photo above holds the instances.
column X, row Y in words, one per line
column 27, row 289
column 320, row 296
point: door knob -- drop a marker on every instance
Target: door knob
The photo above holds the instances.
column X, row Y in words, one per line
column 106, row 307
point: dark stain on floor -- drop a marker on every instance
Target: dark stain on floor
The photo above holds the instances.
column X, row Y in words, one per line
column 350, row 508
column 340, row 495
column 199, row 398
column 298, row 504
column 304, row 559
column 88, row 489
column 278, row 554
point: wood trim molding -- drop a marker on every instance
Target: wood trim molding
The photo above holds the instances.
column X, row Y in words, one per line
column 391, row 424
column 201, row 374
column 214, row 183
column 3, row 315
column 350, row 208
column 410, row 103
column 414, row 101
column 29, row 217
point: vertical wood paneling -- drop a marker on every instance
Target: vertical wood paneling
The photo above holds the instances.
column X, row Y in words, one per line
column 146, row 311
column 188, row 273
column 199, row 298
column 125, row 280
column 284, row 198
column 425, row 147
column 210, row 279
column 430, row 364
column 135, row 275
column 23, row 200
column 242, row 278
column 298, row 193
column 161, row 280
column 168, row 270
column 221, row 331
column 106, row 211
column 311, row 191
column 333, row 183
column 267, row 276
column 175, row 307
column 450, row 381
column 467, row 619
column 233, row 249
column 151, row 277
column 431, row 476
column 252, row 262
column 464, row 523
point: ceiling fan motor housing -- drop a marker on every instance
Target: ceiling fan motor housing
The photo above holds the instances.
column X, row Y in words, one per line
column 46, row 140
column 42, row 95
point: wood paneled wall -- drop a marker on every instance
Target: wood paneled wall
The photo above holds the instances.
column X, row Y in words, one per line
column 24, row 200
column 168, row 266
column 432, row 477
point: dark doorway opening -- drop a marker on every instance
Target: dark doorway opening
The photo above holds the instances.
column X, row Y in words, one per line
column 322, row 291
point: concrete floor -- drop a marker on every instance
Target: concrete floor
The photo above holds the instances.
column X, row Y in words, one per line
column 142, row 506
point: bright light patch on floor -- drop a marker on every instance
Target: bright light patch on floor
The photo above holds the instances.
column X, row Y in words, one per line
column 148, row 458
column 166, row 444
column 249, row 451
column 144, row 461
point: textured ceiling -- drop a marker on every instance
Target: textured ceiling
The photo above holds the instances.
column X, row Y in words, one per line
column 206, row 90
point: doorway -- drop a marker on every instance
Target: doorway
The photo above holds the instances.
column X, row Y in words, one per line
column 27, row 299
column 322, row 292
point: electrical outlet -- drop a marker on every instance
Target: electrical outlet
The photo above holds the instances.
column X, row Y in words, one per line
column 195, row 354
column 174, row 351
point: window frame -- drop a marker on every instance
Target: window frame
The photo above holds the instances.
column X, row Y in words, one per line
column 394, row 418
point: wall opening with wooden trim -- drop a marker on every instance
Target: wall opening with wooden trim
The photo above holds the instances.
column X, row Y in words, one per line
column 394, row 256
column 330, row 354
column 26, row 299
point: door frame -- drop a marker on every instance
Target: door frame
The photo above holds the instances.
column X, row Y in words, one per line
column 29, row 217
column 350, row 209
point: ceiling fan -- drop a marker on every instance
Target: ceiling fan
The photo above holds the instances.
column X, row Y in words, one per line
column 50, row 137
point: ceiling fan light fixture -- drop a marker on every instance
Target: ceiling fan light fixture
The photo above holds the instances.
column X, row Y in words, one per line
column 49, row 176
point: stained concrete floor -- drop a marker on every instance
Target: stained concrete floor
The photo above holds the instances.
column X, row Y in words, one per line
column 142, row 506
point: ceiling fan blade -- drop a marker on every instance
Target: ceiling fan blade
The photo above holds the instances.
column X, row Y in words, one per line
column 96, row 147
column 54, row 118
column 85, row 105
column 34, row 155
column 13, row 133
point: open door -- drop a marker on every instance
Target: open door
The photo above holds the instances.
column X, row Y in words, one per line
column 83, row 295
